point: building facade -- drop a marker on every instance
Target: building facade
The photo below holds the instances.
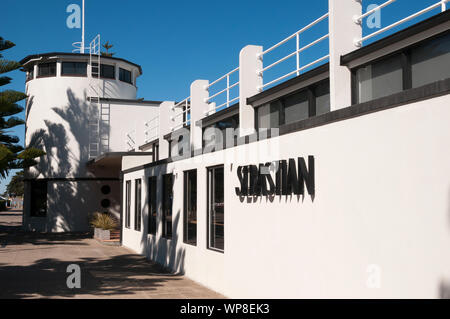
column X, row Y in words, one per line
column 330, row 181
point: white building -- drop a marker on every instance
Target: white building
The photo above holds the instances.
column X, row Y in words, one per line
column 333, row 183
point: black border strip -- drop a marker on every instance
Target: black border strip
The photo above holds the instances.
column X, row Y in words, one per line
column 298, row 79
column 219, row 116
column 74, row 179
column 396, row 37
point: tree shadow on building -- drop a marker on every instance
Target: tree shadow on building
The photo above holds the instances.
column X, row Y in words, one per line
column 66, row 143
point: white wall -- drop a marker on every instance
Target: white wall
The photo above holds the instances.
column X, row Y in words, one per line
column 126, row 118
column 382, row 198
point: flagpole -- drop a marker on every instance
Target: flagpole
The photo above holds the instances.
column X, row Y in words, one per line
column 82, row 32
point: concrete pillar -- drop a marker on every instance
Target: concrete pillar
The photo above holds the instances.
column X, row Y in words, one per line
column 199, row 106
column 165, row 124
column 250, row 82
column 58, row 68
column 343, row 33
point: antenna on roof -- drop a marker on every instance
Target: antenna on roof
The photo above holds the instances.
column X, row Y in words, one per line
column 81, row 46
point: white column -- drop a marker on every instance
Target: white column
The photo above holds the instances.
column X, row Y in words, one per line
column 250, row 82
column 343, row 32
column 199, row 106
column 165, row 123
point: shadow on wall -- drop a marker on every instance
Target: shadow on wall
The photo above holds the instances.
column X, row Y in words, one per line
column 66, row 143
column 168, row 253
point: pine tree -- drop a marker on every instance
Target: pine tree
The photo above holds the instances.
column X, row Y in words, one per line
column 12, row 155
column 107, row 47
column 16, row 187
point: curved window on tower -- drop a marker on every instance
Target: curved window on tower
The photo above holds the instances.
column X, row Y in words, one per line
column 125, row 76
column 74, row 69
column 47, row 69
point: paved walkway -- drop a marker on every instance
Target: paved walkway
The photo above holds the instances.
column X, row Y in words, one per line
column 35, row 265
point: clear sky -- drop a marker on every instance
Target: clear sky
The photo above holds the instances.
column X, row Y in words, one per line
column 175, row 42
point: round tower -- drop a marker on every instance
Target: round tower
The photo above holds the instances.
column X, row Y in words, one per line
column 66, row 118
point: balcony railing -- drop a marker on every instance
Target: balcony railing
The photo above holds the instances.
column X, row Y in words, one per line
column 359, row 42
column 184, row 111
column 296, row 53
column 151, row 130
column 228, row 89
column 130, row 141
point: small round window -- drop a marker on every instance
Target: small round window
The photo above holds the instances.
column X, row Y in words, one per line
column 106, row 189
column 106, row 203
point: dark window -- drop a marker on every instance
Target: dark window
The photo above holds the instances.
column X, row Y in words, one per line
column 415, row 66
column 74, row 68
column 216, row 209
column 431, row 61
column 190, row 208
column 155, row 152
column 38, row 199
column 380, row 79
column 138, row 205
column 167, row 204
column 311, row 101
column 268, row 115
column 229, row 124
column 296, row 107
column 106, row 189
column 106, row 71
column 152, row 205
column 106, row 203
column 322, row 96
column 128, row 205
column 47, row 69
column 125, row 76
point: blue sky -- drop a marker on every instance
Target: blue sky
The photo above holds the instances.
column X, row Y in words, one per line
column 175, row 42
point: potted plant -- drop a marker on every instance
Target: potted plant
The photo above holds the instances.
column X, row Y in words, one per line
column 104, row 225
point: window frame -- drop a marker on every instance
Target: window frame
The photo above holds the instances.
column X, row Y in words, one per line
column 128, row 204
column 122, row 71
column 102, row 76
column 48, row 75
column 312, row 106
column 138, row 205
column 407, row 75
column 209, row 170
column 186, row 207
column 42, row 185
column 152, row 189
column 74, row 74
column 165, row 233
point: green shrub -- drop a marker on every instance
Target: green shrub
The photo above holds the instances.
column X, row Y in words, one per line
column 104, row 221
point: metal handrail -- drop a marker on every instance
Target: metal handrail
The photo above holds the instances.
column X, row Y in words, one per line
column 226, row 90
column 359, row 42
column 185, row 113
column 149, row 127
column 296, row 53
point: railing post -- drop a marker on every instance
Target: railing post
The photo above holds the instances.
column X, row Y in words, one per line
column 165, row 124
column 298, row 54
column 343, row 31
column 250, row 84
column 443, row 5
column 199, row 106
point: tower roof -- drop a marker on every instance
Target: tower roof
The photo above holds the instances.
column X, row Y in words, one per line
column 51, row 54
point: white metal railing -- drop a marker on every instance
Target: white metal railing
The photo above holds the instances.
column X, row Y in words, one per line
column 151, row 131
column 296, row 53
column 227, row 90
column 359, row 19
column 130, row 141
column 185, row 112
